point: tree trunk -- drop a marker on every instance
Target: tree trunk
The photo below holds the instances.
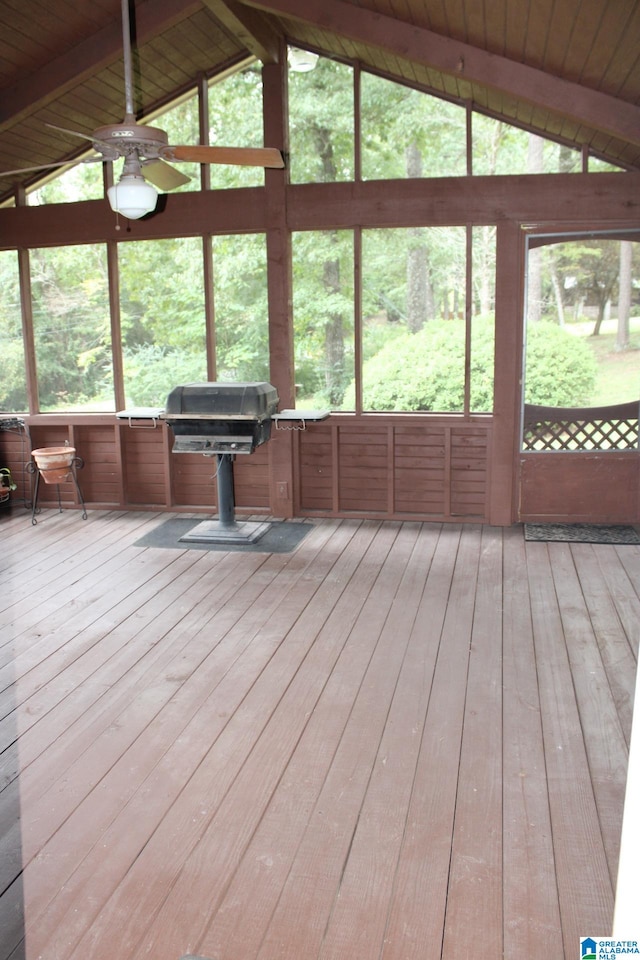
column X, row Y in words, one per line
column 419, row 293
column 602, row 310
column 534, row 272
column 557, row 290
column 534, row 286
column 624, row 295
column 334, row 373
column 485, row 283
column 334, row 351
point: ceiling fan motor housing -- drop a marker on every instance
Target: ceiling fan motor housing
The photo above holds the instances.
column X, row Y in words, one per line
column 122, row 136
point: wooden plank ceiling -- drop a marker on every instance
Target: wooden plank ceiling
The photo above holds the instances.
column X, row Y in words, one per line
column 568, row 70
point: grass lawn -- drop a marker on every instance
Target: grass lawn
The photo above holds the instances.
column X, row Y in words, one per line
column 618, row 370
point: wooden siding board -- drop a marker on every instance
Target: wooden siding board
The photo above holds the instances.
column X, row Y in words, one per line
column 422, row 875
column 249, row 904
column 614, row 612
column 204, row 847
column 366, row 883
column 608, row 768
column 201, row 748
column 317, row 869
column 531, row 912
column 585, row 893
column 221, row 633
column 474, row 897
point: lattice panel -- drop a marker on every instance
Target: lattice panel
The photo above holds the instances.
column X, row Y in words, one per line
column 599, row 428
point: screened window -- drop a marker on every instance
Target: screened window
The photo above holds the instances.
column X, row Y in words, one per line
column 601, row 166
column 241, row 308
column 413, row 325
column 84, row 181
column 162, row 317
column 13, row 387
column 323, row 316
column 406, row 133
column 71, row 327
column 425, row 336
column 499, row 148
column 321, row 124
column 235, row 120
column 180, row 123
column 482, row 305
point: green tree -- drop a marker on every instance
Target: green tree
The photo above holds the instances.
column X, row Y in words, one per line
column 13, row 392
column 71, row 324
column 321, row 131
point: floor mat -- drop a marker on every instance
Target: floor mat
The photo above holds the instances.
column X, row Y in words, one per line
column 282, row 536
column 580, row 533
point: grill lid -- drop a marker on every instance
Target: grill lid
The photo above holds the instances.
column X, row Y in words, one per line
column 254, row 400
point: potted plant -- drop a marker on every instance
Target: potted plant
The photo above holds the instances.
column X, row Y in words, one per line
column 6, row 485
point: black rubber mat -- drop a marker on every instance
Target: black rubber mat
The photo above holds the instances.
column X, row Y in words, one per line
column 580, row 533
column 283, row 536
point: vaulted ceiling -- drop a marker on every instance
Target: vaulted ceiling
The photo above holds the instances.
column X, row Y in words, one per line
column 567, row 69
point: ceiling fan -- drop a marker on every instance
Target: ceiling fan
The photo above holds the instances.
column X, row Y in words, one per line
column 146, row 150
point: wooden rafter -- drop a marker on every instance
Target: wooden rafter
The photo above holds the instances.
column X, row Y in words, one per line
column 249, row 27
column 87, row 57
column 616, row 117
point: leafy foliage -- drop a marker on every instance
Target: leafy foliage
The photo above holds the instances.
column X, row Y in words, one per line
column 413, row 279
column 425, row 370
column 151, row 371
column 321, row 124
column 418, row 371
column 395, row 118
column 13, row 390
column 72, row 330
column 561, row 368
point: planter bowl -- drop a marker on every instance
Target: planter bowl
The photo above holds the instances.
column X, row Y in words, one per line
column 54, row 463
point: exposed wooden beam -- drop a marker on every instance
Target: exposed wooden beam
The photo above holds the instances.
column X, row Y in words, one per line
column 89, row 56
column 594, row 109
column 249, row 27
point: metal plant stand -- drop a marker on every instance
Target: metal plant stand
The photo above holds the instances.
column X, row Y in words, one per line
column 77, row 463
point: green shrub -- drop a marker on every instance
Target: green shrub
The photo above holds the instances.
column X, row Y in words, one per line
column 561, row 367
column 150, row 372
column 425, row 370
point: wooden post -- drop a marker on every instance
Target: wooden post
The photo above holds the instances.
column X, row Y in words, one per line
column 281, row 474
column 502, row 504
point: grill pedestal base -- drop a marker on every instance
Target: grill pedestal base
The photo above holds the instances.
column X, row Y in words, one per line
column 219, row 531
column 226, row 529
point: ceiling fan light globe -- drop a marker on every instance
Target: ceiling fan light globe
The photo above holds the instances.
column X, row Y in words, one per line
column 302, row 61
column 132, row 197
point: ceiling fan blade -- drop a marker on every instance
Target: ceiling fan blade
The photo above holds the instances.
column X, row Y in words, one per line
column 49, row 166
column 163, row 175
column 242, row 156
column 74, row 133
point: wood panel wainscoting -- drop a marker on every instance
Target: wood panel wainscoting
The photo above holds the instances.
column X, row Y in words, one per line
column 377, row 466
column 399, row 740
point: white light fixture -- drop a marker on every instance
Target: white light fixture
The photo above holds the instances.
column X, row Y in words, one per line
column 301, row 61
column 132, row 196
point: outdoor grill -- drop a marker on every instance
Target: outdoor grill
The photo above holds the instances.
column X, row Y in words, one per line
column 222, row 420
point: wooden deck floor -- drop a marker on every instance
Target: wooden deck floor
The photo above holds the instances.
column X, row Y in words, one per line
column 399, row 741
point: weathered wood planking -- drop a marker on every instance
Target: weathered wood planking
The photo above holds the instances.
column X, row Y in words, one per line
column 394, row 736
